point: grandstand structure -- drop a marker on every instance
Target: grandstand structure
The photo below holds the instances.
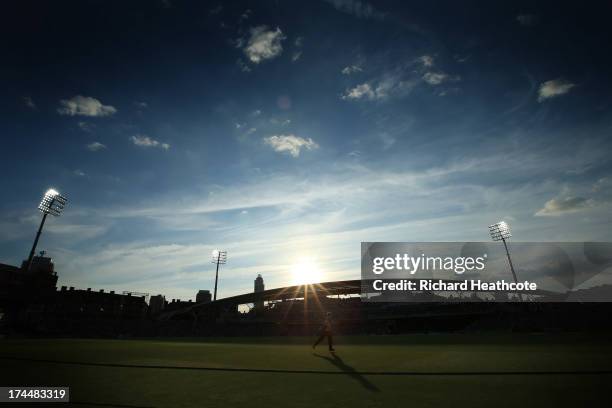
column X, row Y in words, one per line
column 298, row 310
column 31, row 304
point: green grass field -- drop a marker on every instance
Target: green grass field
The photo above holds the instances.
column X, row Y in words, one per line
column 416, row 371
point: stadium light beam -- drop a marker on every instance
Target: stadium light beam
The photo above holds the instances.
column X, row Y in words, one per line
column 219, row 258
column 52, row 203
column 500, row 231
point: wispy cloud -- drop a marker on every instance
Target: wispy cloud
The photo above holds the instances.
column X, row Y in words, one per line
column 146, row 141
column 564, row 205
column 250, row 131
column 264, row 43
column 435, row 78
column 95, row 146
column 85, row 126
column 362, row 91
column 290, row 144
column 351, row 69
column 28, row 102
column 290, row 216
column 554, row 88
column 84, row 106
column 357, row 8
column 426, row 60
column 280, row 122
column 385, row 87
column 297, row 52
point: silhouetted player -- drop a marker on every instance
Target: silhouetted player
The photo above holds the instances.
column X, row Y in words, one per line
column 326, row 331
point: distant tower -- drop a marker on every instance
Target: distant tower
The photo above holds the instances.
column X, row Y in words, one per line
column 156, row 304
column 203, row 296
column 259, row 287
column 259, row 284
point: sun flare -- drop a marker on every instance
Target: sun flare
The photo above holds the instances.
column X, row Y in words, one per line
column 305, row 271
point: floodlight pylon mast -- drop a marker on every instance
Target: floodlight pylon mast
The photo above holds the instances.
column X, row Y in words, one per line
column 510, row 261
column 52, row 203
column 31, row 257
column 500, row 231
column 218, row 257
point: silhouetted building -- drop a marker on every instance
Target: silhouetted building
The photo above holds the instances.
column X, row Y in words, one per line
column 40, row 264
column 203, row 296
column 90, row 304
column 17, row 285
column 259, row 287
column 156, row 304
column 177, row 304
column 259, row 284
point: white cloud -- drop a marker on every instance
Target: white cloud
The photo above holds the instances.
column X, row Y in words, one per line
column 426, row 60
column 264, row 44
column 243, row 66
column 95, row 146
column 290, row 143
column 389, row 85
column 28, row 102
column 559, row 206
column 146, row 141
column 363, row 91
column 85, row 127
column 351, row 69
column 79, row 173
column 84, row 106
column 357, row 8
column 297, row 53
column 280, row 122
column 554, row 88
column 435, row 78
column 245, row 16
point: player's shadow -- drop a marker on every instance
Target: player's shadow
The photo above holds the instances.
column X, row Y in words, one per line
column 338, row 362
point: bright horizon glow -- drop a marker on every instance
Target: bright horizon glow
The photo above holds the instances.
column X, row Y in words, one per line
column 305, row 271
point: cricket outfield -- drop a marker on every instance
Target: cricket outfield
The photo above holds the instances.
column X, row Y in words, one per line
column 513, row 370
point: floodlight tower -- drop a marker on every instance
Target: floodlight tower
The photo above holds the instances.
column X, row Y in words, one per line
column 219, row 258
column 52, row 203
column 500, row 231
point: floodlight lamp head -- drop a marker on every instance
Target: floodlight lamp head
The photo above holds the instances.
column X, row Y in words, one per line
column 52, row 203
column 500, row 231
column 219, row 256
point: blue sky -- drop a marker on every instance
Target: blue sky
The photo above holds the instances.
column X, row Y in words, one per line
column 288, row 132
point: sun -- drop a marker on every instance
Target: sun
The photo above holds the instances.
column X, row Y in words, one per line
column 305, row 271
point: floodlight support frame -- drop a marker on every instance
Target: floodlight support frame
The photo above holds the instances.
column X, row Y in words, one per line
column 31, row 257
column 510, row 261
column 216, row 278
column 512, row 267
column 220, row 259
